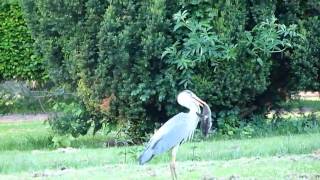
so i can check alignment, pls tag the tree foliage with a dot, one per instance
(232, 63)
(132, 38)
(127, 59)
(17, 59)
(108, 51)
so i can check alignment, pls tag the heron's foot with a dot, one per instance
(173, 171)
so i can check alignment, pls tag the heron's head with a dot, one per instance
(189, 100)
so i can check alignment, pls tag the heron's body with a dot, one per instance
(176, 130)
(166, 137)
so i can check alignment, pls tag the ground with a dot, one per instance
(284, 167)
(27, 153)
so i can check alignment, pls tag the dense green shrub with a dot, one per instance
(299, 69)
(67, 41)
(108, 50)
(132, 38)
(17, 59)
(70, 118)
(236, 63)
(127, 59)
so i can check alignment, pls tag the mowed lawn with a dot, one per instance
(27, 152)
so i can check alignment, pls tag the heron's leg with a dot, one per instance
(173, 163)
(173, 170)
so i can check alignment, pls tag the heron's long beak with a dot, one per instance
(199, 101)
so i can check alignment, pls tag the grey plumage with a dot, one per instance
(175, 131)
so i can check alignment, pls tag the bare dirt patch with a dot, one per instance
(23, 117)
(309, 95)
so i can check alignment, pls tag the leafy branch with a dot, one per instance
(200, 43)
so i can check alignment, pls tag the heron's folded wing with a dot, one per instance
(170, 134)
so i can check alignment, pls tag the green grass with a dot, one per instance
(24, 136)
(287, 167)
(38, 135)
(26, 151)
(216, 150)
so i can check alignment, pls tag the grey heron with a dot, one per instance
(175, 131)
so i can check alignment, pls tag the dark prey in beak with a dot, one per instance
(205, 120)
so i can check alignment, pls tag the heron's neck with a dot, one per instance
(194, 108)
